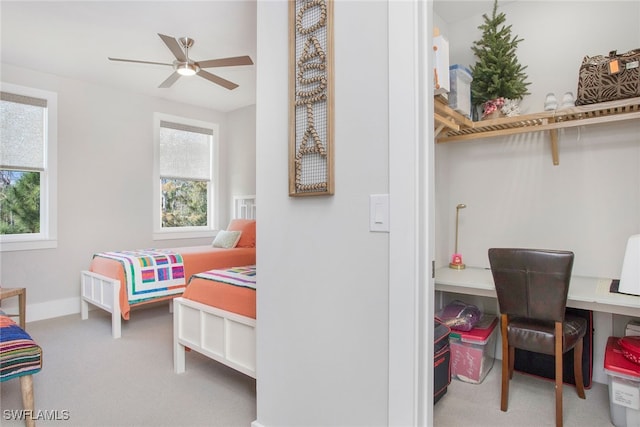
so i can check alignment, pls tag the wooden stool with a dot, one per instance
(21, 293)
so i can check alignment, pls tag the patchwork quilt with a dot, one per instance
(237, 276)
(150, 273)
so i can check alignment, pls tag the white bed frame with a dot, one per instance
(103, 292)
(221, 335)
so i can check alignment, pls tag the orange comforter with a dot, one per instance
(196, 259)
(235, 299)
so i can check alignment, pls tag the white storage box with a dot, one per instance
(624, 386)
(460, 93)
(633, 328)
(440, 65)
(473, 352)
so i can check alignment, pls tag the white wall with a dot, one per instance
(105, 160)
(323, 299)
(590, 203)
(241, 149)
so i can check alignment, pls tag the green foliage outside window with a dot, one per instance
(19, 202)
(184, 203)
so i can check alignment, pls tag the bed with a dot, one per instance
(216, 316)
(164, 272)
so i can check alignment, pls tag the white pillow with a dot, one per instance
(226, 239)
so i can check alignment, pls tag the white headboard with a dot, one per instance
(244, 207)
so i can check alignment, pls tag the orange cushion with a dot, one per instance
(248, 229)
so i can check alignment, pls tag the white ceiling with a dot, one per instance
(74, 38)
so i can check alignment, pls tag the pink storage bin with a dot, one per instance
(473, 352)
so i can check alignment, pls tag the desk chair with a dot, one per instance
(532, 287)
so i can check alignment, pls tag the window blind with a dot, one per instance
(185, 151)
(22, 132)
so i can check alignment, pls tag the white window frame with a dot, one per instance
(47, 238)
(160, 233)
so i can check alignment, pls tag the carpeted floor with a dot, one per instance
(89, 379)
(531, 404)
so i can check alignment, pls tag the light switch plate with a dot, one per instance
(379, 212)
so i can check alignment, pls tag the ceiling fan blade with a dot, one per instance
(170, 80)
(174, 47)
(226, 62)
(139, 62)
(217, 80)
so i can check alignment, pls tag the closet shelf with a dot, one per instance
(451, 126)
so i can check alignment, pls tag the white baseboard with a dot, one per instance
(51, 309)
(256, 424)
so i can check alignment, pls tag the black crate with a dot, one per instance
(543, 365)
(441, 360)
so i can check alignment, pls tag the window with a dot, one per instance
(184, 181)
(28, 128)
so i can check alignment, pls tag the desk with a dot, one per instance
(588, 293)
(21, 293)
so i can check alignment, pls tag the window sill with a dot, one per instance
(173, 235)
(28, 245)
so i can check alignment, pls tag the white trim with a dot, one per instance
(28, 245)
(213, 205)
(426, 202)
(50, 309)
(47, 238)
(184, 234)
(410, 393)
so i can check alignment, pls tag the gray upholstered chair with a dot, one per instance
(532, 287)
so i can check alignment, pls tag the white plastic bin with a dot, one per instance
(460, 93)
(473, 352)
(624, 386)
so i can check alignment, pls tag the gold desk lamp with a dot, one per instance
(456, 260)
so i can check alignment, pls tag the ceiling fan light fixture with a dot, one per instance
(187, 69)
(183, 66)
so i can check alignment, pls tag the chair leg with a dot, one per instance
(26, 386)
(504, 396)
(577, 368)
(558, 357)
(512, 361)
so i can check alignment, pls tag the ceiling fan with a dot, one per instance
(184, 66)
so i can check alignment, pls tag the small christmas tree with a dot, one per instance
(497, 72)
